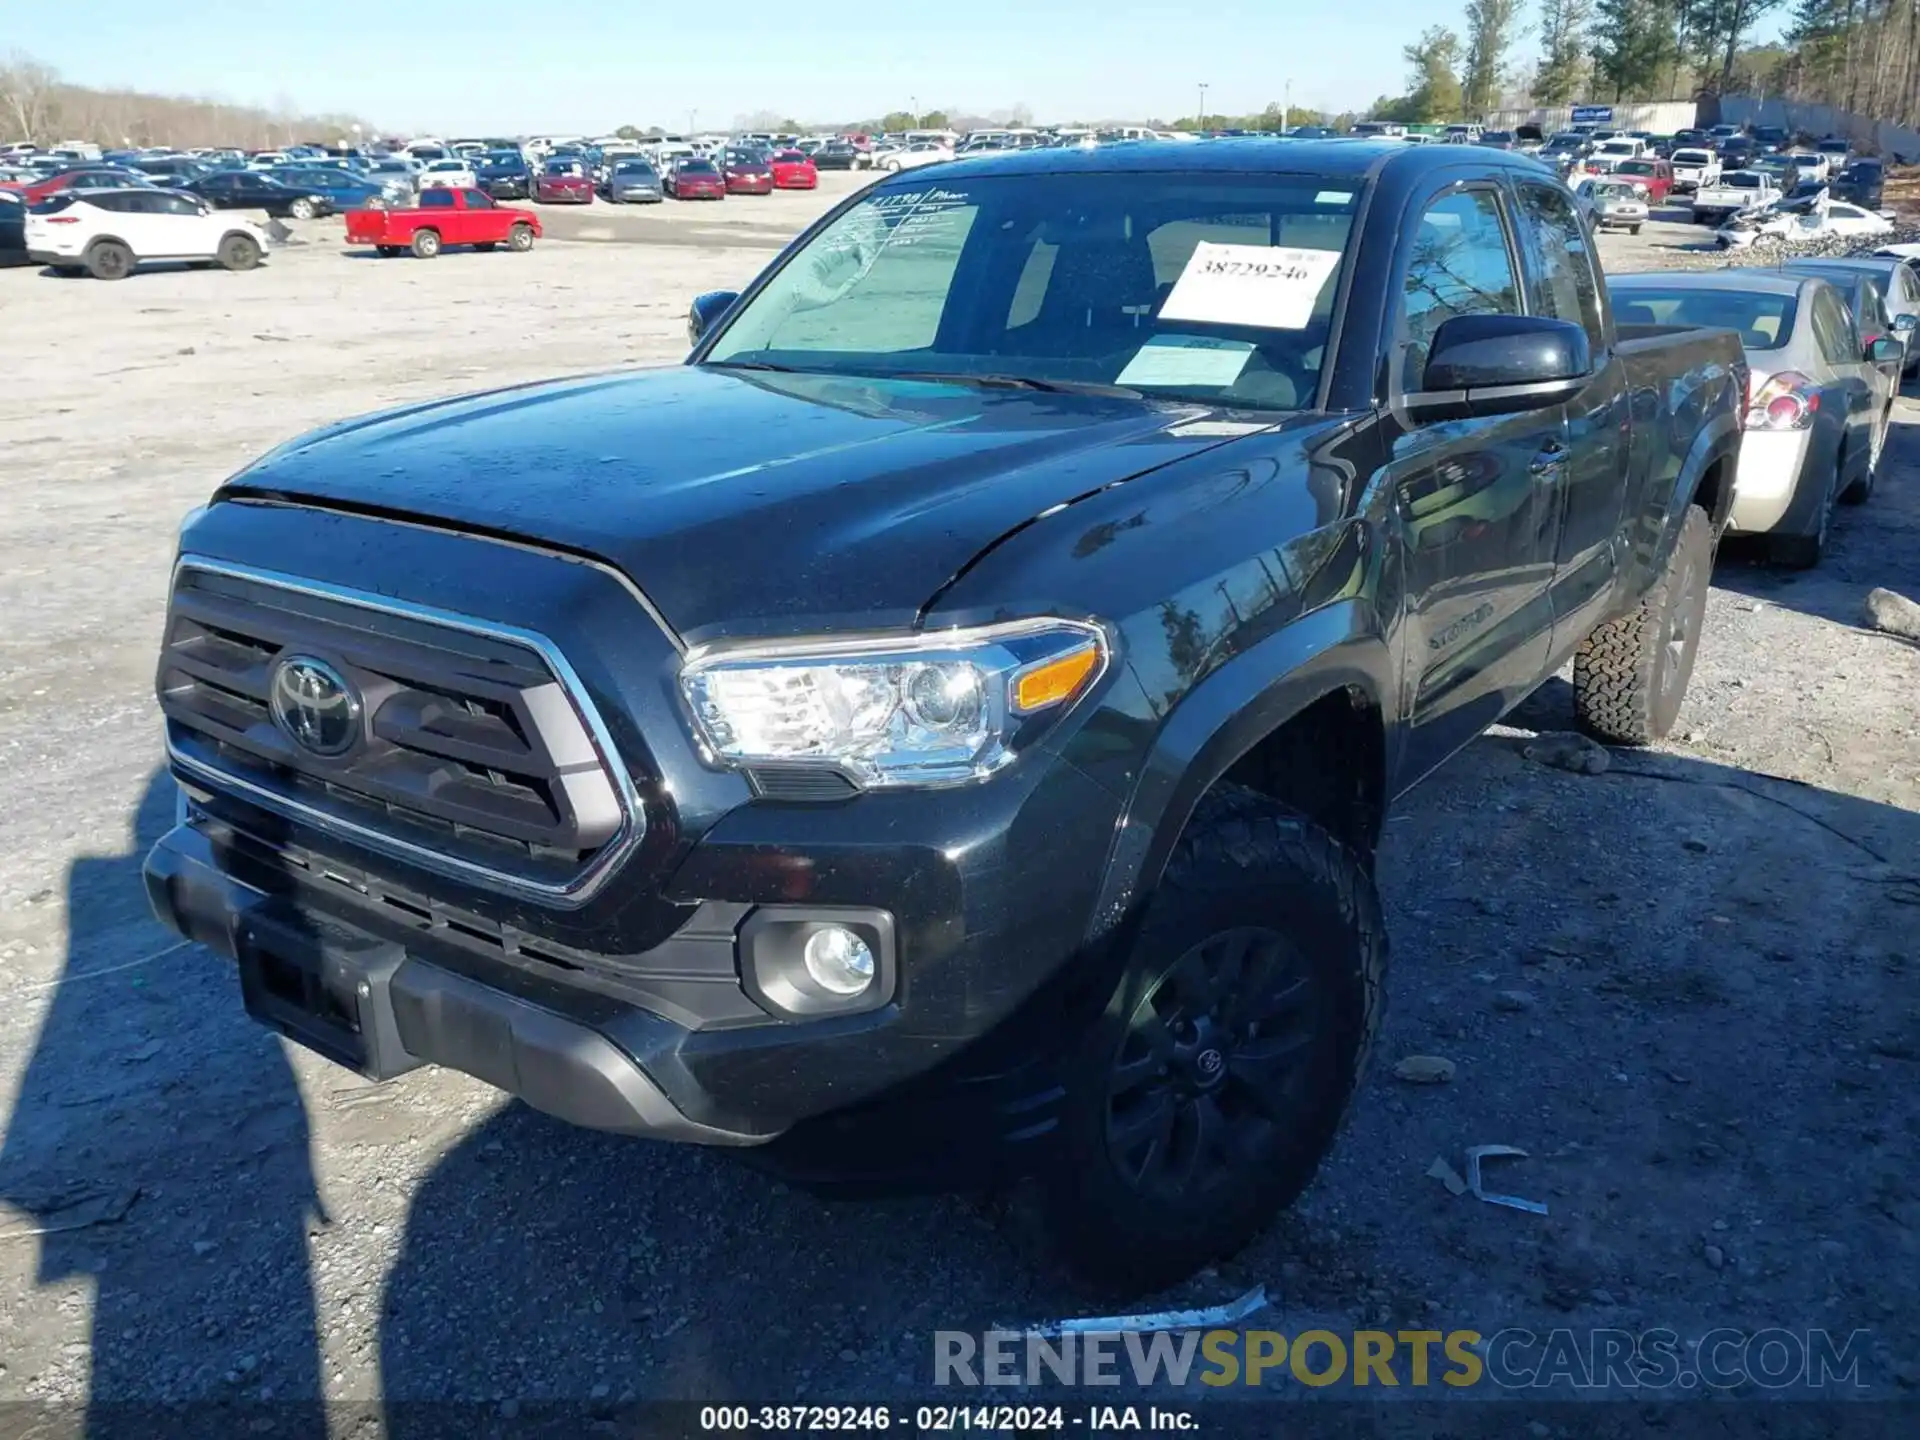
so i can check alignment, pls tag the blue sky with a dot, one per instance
(494, 66)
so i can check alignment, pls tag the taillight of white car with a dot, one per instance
(1787, 401)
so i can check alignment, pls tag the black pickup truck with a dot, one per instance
(942, 730)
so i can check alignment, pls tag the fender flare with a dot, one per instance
(1223, 717)
(1717, 441)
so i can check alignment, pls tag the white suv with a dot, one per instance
(109, 232)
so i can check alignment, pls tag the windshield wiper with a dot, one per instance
(752, 365)
(1017, 382)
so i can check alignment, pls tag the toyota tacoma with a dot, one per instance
(942, 730)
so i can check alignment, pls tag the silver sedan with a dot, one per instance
(1818, 401)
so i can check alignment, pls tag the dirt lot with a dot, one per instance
(1686, 985)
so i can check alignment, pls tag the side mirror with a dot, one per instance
(1884, 350)
(1501, 365)
(1903, 323)
(705, 310)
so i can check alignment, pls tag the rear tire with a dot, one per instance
(1630, 675)
(1203, 1098)
(520, 238)
(301, 210)
(426, 244)
(238, 252)
(109, 260)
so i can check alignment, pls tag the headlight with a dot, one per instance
(936, 709)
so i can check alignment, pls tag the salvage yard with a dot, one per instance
(1686, 985)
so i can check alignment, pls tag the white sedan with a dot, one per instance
(107, 233)
(450, 174)
(1802, 220)
(912, 157)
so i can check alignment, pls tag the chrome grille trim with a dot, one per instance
(570, 894)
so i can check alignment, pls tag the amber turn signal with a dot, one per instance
(1053, 681)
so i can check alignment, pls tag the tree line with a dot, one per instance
(37, 105)
(1858, 55)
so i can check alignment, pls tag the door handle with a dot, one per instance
(1551, 462)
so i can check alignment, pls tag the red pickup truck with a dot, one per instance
(444, 217)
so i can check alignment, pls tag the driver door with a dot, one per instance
(1478, 500)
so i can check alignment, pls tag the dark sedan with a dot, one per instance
(347, 190)
(13, 229)
(1862, 182)
(835, 155)
(250, 190)
(505, 175)
(748, 172)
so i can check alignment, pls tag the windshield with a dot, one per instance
(633, 167)
(1765, 322)
(1638, 167)
(563, 167)
(1215, 287)
(1691, 157)
(505, 157)
(1741, 180)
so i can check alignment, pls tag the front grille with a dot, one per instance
(476, 753)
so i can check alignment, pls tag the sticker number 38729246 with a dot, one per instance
(1272, 287)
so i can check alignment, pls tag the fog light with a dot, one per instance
(838, 960)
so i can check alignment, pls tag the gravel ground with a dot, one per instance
(1685, 985)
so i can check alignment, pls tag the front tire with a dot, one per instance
(1202, 1099)
(426, 244)
(1630, 675)
(238, 252)
(109, 260)
(301, 210)
(520, 238)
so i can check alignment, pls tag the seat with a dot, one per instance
(1100, 293)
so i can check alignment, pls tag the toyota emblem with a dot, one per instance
(1210, 1063)
(314, 706)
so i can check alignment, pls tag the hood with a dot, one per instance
(743, 504)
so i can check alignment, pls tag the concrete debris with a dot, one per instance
(1893, 614)
(1566, 750)
(1426, 1069)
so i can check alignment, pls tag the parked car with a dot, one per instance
(1771, 139)
(835, 155)
(1736, 190)
(633, 182)
(1609, 153)
(1490, 139)
(793, 171)
(747, 172)
(1802, 219)
(1816, 417)
(455, 173)
(1896, 284)
(1611, 204)
(1782, 171)
(563, 180)
(90, 177)
(1837, 151)
(1862, 183)
(1652, 178)
(344, 188)
(1809, 164)
(1010, 595)
(108, 234)
(912, 157)
(400, 171)
(1692, 168)
(251, 190)
(505, 175)
(695, 180)
(442, 218)
(13, 230)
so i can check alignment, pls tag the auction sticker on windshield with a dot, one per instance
(1269, 286)
(1186, 360)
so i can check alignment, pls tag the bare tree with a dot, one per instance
(27, 91)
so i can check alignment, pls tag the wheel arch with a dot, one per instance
(1325, 679)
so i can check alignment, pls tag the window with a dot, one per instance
(1764, 320)
(174, 205)
(478, 200)
(1846, 212)
(1566, 287)
(1833, 328)
(1460, 265)
(436, 200)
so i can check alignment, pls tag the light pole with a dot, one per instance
(692, 116)
(915, 99)
(1286, 110)
(1203, 108)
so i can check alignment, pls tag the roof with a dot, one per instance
(1249, 154)
(1869, 264)
(1765, 282)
